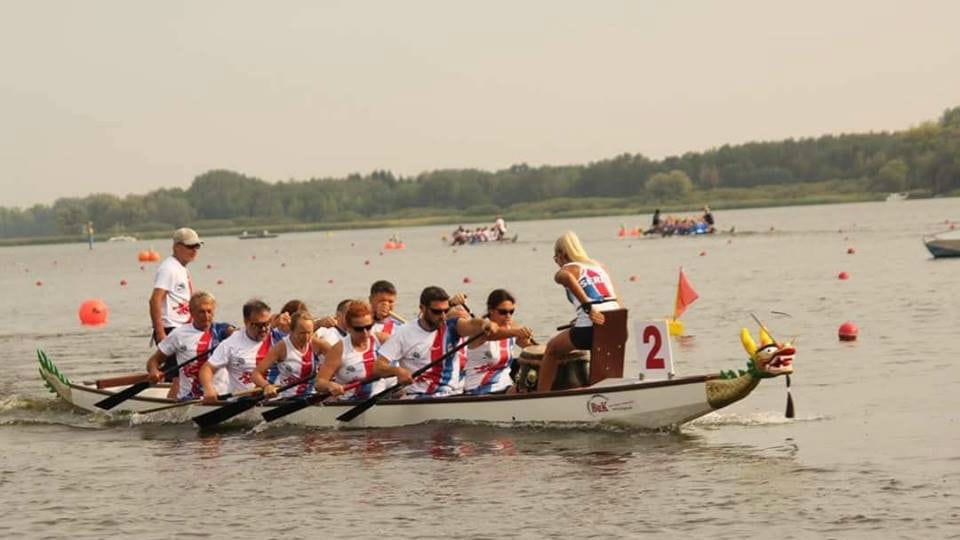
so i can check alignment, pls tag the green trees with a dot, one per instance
(672, 186)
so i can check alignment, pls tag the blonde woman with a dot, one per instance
(589, 288)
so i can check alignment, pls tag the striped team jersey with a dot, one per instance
(413, 347)
(295, 365)
(188, 342)
(357, 365)
(387, 326)
(594, 281)
(488, 367)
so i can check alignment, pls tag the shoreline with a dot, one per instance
(563, 209)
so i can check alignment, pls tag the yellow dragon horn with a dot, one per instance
(765, 338)
(748, 344)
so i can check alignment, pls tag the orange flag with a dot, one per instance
(685, 295)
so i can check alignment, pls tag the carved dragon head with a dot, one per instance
(771, 358)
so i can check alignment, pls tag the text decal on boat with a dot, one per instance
(599, 404)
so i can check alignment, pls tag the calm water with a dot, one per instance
(873, 452)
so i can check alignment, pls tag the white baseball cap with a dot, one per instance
(186, 236)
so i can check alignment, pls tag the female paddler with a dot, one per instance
(590, 289)
(490, 358)
(293, 357)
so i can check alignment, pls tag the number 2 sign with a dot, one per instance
(654, 355)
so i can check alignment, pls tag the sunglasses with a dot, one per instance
(437, 311)
(260, 325)
(506, 312)
(191, 246)
(366, 328)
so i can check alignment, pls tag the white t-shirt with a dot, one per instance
(413, 347)
(174, 278)
(187, 342)
(238, 355)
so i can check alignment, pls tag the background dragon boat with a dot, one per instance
(608, 398)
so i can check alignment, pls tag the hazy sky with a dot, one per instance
(129, 96)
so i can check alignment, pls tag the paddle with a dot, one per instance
(122, 380)
(221, 397)
(372, 400)
(302, 403)
(790, 413)
(127, 393)
(397, 317)
(241, 405)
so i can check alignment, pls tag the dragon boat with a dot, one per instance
(607, 399)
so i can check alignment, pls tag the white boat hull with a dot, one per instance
(654, 405)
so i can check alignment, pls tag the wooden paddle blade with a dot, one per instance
(226, 412)
(121, 396)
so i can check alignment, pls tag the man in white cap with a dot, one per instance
(172, 288)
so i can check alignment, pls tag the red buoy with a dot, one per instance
(39, 283)
(851, 251)
(123, 283)
(703, 253)
(633, 278)
(209, 267)
(93, 312)
(219, 282)
(142, 267)
(848, 331)
(330, 281)
(283, 265)
(843, 275)
(367, 262)
(467, 279)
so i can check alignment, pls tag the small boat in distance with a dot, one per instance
(122, 238)
(896, 197)
(945, 244)
(262, 234)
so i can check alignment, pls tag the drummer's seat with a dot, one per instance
(580, 368)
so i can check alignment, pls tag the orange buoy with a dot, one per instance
(154, 256)
(848, 331)
(401, 245)
(143, 256)
(622, 232)
(93, 313)
(389, 244)
(851, 251)
(843, 275)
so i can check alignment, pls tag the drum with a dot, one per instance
(573, 371)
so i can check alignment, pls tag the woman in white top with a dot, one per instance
(490, 358)
(589, 288)
(293, 357)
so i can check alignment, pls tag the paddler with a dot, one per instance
(429, 338)
(490, 358)
(383, 300)
(589, 288)
(238, 353)
(294, 357)
(188, 341)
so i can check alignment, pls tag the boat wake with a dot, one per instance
(717, 420)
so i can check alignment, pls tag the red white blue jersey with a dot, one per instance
(295, 365)
(488, 367)
(387, 326)
(594, 281)
(413, 347)
(188, 342)
(238, 356)
(357, 365)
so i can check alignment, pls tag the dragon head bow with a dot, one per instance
(771, 358)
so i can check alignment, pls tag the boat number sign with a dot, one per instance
(654, 354)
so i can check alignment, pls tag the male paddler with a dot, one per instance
(383, 300)
(434, 333)
(238, 353)
(193, 340)
(172, 289)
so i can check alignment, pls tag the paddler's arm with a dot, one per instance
(382, 368)
(157, 298)
(259, 375)
(206, 381)
(332, 359)
(153, 366)
(471, 327)
(566, 278)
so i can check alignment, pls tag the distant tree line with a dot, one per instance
(924, 159)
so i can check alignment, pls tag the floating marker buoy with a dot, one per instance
(209, 267)
(848, 331)
(39, 283)
(253, 257)
(143, 256)
(851, 251)
(219, 282)
(843, 275)
(123, 283)
(467, 279)
(366, 262)
(703, 253)
(389, 244)
(401, 245)
(142, 267)
(633, 278)
(330, 281)
(622, 232)
(283, 265)
(93, 313)
(381, 254)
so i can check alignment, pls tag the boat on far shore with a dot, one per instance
(262, 234)
(896, 197)
(122, 238)
(945, 244)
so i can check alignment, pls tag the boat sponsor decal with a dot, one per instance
(599, 404)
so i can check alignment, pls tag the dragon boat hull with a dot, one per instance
(653, 405)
